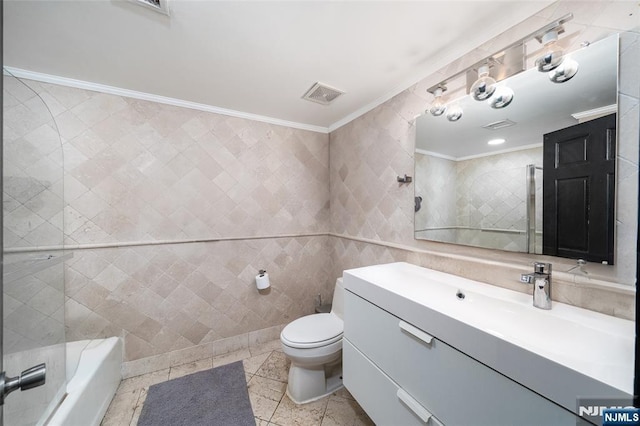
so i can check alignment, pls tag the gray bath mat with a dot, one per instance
(214, 397)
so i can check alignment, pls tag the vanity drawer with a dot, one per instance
(380, 397)
(455, 387)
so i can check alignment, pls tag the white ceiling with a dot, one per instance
(254, 57)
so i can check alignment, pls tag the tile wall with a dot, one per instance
(436, 218)
(476, 200)
(372, 215)
(491, 193)
(170, 213)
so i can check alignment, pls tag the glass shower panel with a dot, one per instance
(33, 259)
(492, 208)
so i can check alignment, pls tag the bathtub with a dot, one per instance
(93, 375)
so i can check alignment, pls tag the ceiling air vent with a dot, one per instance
(322, 94)
(499, 124)
(157, 5)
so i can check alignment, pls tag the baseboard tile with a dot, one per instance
(219, 347)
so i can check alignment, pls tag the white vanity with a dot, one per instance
(426, 347)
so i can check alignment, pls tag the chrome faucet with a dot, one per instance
(541, 280)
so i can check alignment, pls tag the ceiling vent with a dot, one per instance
(160, 6)
(499, 124)
(322, 94)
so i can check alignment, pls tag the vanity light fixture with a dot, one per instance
(438, 107)
(505, 63)
(484, 86)
(498, 141)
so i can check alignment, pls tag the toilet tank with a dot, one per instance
(337, 306)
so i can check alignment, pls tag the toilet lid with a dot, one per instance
(313, 331)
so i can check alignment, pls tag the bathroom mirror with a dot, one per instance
(471, 193)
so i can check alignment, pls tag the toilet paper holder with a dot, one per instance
(262, 280)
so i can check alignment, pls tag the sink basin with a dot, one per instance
(562, 353)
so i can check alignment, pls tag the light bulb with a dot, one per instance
(553, 55)
(484, 86)
(437, 107)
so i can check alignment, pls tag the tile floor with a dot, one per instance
(266, 368)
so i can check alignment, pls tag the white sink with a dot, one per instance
(561, 353)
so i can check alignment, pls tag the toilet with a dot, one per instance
(313, 343)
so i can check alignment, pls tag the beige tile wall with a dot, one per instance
(470, 198)
(143, 171)
(439, 207)
(368, 205)
(140, 176)
(169, 297)
(602, 297)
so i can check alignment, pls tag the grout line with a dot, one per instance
(248, 344)
(284, 394)
(138, 406)
(326, 407)
(260, 366)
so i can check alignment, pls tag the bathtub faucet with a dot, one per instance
(541, 280)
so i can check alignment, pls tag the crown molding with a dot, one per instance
(112, 90)
(591, 114)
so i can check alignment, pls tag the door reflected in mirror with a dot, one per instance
(480, 179)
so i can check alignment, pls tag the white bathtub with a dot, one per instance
(93, 375)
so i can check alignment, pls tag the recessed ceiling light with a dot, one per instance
(496, 141)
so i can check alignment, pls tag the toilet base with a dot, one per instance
(310, 384)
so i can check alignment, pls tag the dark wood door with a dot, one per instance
(579, 191)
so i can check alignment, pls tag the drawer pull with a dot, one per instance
(416, 332)
(414, 405)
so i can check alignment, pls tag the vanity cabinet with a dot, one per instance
(402, 375)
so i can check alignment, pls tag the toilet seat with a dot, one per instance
(313, 331)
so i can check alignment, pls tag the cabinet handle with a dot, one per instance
(414, 405)
(416, 332)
